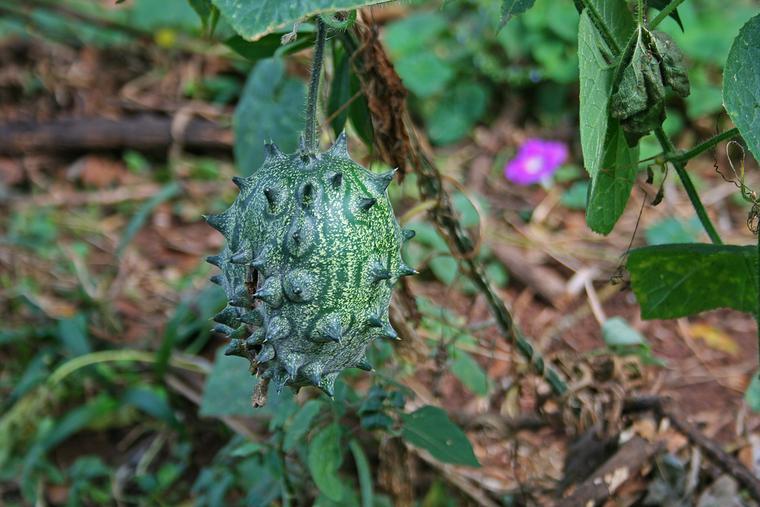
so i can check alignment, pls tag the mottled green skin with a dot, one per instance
(322, 253)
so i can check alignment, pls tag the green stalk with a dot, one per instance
(665, 13)
(311, 132)
(105, 356)
(680, 168)
(703, 147)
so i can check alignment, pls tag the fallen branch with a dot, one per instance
(626, 463)
(727, 463)
(143, 132)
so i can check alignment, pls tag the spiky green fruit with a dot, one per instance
(313, 251)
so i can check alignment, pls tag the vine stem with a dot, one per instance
(311, 132)
(665, 13)
(688, 186)
(757, 315)
(703, 147)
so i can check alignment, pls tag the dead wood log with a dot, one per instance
(144, 132)
(626, 463)
(664, 408)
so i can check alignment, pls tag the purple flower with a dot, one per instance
(536, 161)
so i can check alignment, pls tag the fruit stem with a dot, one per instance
(311, 132)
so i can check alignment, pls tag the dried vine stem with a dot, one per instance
(395, 135)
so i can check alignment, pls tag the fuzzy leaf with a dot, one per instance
(254, 19)
(431, 429)
(672, 281)
(741, 84)
(325, 457)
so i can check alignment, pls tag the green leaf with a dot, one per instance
(325, 457)
(73, 334)
(445, 268)
(414, 33)
(673, 230)
(575, 196)
(457, 112)
(301, 423)
(752, 394)
(271, 107)
(153, 401)
(511, 8)
(358, 112)
(424, 73)
(596, 82)
(143, 213)
(611, 187)
(661, 4)
(741, 84)
(618, 333)
(229, 387)
(431, 429)
(672, 281)
(340, 91)
(364, 472)
(253, 19)
(268, 46)
(470, 373)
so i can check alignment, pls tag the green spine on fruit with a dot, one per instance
(313, 251)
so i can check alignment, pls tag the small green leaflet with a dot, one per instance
(253, 19)
(672, 281)
(510, 8)
(741, 84)
(325, 457)
(431, 429)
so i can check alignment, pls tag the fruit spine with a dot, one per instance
(313, 251)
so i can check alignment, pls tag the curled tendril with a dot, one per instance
(737, 178)
(339, 20)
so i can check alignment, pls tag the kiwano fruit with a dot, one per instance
(313, 250)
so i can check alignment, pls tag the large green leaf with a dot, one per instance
(672, 281)
(229, 387)
(325, 457)
(254, 19)
(431, 429)
(271, 108)
(611, 188)
(741, 84)
(602, 143)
